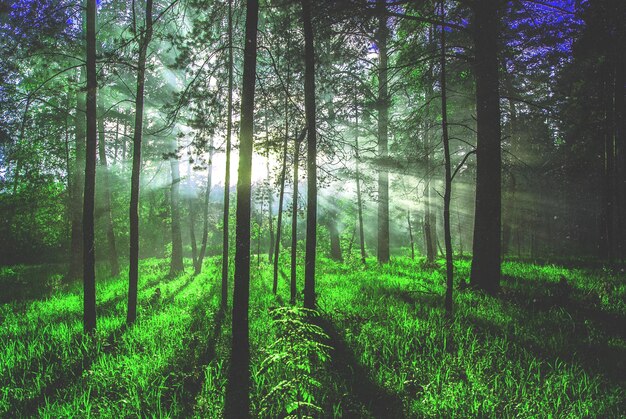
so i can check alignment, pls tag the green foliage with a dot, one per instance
(294, 358)
(379, 347)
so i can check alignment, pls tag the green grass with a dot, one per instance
(539, 349)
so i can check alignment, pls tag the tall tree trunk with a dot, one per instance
(270, 215)
(176, 263)
(237, 403)
(408, 220)
(359, 200)
(485, 273)
(78, 184)
(383, 120)
(133, 269)
(89, 262)
(205, 215)
(294, 219)
(192, 221)
(335, 241)
(448, 176)
(309, 109)
(106, 196)
(281, 197)
(229, 123)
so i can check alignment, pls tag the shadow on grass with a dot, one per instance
(70, 373)
(378, 401)
(202, 351)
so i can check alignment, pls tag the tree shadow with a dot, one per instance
(202, 350)
(378, 401)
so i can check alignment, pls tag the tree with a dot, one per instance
(229, 126)
(485, 273)
(237, 393)
(448, 171)
(309, 110)
(133, 271)
(89, 254)
(383, 134)
(176, 262)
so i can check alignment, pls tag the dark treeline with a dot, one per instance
(479, 128)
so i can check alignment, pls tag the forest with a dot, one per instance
(312, 208)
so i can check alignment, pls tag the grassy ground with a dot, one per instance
(553, 343)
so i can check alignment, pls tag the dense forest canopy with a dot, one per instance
(272, 135)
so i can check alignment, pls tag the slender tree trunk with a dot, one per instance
(76, 248)
(18, 164)
(237, 393)
(383, 121)
(459, 227)
(106, 196)
(359, 201)
(294, 219)
(176, 263)
(448, 176)
(89, 262)
(335, 241)
(280, 203)
(229, 123)
(192, 222)
(408, 220)
(309, 109)
(485, 273)
(133, 270)
(270, 203)
(205, 215)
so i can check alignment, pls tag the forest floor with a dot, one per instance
(552, 343)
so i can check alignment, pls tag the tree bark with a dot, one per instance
(237, 403)
(192, 222)
(359, 201)
(205, 215)
(89, 261)
(383, 135)
(485, 273)
(448, 173)
(229, 123)
(408, 220)
(294, 220)
(279, 223)
(106, 197)
(176, 262)
(310, 112)
(133, 270)
(78, 184)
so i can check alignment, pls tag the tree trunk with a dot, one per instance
(335, 242)
(279, 223)
(485, 273)
(383, 120)
(448, 176)
(229, 123)
(78, 184)
(192, 222)
(133, 269)
(176, 263)
(89, 254)
(106, 197)
(205, 215)
(294, 219)
(237, 404)
(309, 109)
(408, 219)
(359, 201)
